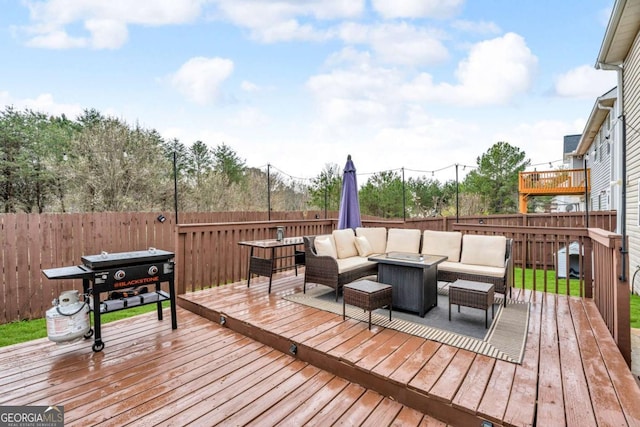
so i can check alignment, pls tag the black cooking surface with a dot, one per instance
(106, 260)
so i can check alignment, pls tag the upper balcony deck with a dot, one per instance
(554, 183)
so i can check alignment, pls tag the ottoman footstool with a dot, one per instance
(367, 295)
(472, 294)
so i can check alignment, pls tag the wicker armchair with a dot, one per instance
(324, 269)
(502, 284)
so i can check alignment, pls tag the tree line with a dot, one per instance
(97, 163)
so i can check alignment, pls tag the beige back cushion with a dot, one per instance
(345, 243)
(444, 243)
(325, 246)
(377, 237)
(402, 240)
(483, 250)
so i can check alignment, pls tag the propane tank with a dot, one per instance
(68, 319)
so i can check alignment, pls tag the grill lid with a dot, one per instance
(105, 260)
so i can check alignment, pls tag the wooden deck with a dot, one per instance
(200, 374)
(244, 373)
(572, 372)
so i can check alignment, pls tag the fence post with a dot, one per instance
(587, 273)
(622, 330)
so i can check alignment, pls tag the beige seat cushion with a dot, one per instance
(345, 243)
(471, 269)
(363, 246)
(483, 250)
(444, 243)
(325, 246)
(352, 263)
(403, 240)
(377, 237)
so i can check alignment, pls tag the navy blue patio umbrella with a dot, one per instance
(349, 214)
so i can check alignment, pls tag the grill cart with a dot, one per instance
(120, 272)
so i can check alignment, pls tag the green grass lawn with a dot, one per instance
(574, 289)
(574, 284)
(27, 330)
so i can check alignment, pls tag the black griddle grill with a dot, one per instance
(117, 271)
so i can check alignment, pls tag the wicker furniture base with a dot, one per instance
(367, 295)
(472, 294)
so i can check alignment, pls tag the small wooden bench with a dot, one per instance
(367, 295)
(474, 295)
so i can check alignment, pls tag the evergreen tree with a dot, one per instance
(496, 178)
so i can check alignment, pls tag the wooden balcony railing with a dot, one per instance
(555, 182)
(552, 183)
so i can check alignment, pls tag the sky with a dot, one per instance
(413, 85)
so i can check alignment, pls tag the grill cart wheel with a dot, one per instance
(98, 346)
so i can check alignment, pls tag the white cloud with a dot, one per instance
(585, 82)
(43, 103)
(477, 27)
(199, 78)
(107, 33)
(249, 87)
(494, 73)
(399, 43)
(417, 8)
(271, 21)
(249, 117)
(353, 97)
(348, 56)
(541, 140)
(56, 39)
(105, 21)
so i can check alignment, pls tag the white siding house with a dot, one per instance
(597, 144)
(569, 203)
(620, 51)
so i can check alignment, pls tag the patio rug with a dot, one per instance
(505, 339)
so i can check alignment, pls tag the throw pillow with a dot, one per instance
(324, 247)
(363, 245)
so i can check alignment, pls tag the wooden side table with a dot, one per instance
(367, 295)
(474, 295)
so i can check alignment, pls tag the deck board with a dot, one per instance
(475, 384)
(579, 407)
(550, 410)
(522, 400)
(204, 373)
(606, 405)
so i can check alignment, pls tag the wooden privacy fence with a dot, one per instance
(209, 255)
(30, 243)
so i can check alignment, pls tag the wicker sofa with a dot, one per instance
(339, 258)
(475, 257)
(342, 256)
